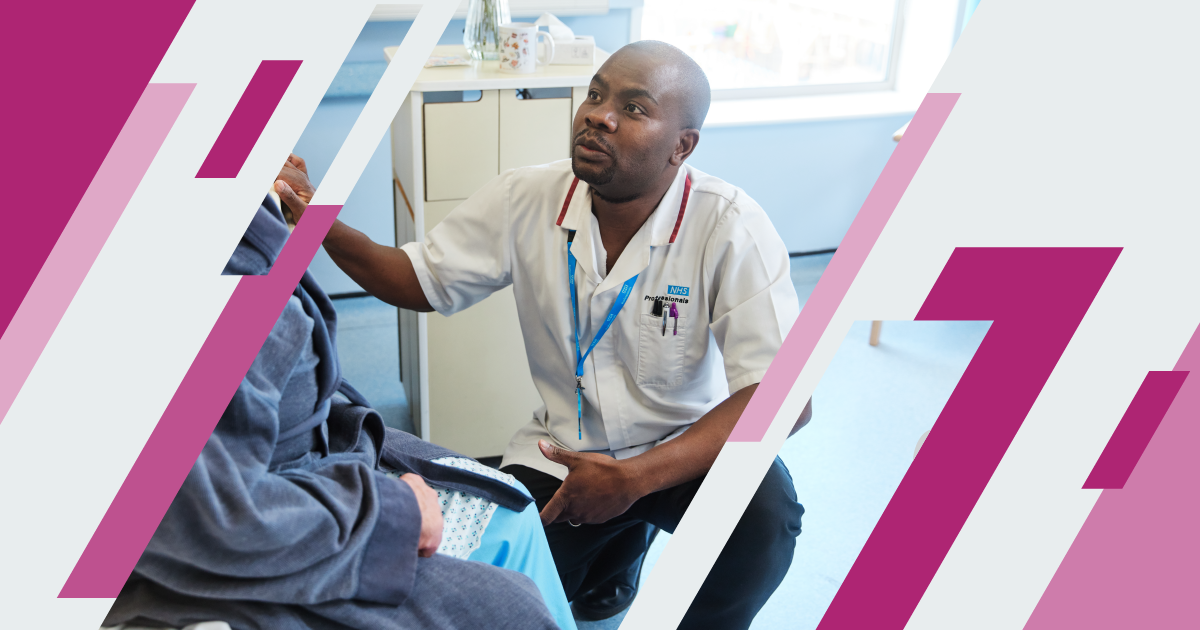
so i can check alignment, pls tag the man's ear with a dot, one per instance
(688, 139)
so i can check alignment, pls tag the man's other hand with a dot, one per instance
(294, 188)
(431, 515)
(597, 488)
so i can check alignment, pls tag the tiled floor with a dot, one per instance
(868, 411)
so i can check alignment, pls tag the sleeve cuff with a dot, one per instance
(416, 254)
(389, 566)
(746, 380)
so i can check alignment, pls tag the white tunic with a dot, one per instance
(726, 270)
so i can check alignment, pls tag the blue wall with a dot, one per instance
(369, 206)
(810, 177)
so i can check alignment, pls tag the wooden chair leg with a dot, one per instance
(876, 327)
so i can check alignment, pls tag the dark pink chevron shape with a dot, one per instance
(249, 118)
(74, 101)
(1133, 433)
(1134, 562)
(192, 414)
(1036, 298)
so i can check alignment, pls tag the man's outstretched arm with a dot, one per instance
(385, 272)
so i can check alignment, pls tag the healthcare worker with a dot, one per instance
(652, 298)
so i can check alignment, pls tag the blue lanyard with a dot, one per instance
(626, 289)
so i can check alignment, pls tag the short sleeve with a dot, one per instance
(752, 301)
(468, 256)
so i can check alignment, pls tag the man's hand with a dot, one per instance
(293, 186)
(597, 488)
(431, 515)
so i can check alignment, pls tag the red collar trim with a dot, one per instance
(570, 193)
(687, 190)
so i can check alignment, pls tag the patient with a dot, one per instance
(304, 511)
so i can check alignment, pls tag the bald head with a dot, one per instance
(681, 76)
(640, 121)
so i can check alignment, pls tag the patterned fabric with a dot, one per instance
(466, 516)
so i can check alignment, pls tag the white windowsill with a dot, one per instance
(816, 107)
(924, 45)
(517, 9)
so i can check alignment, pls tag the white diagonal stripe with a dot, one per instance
(385, 101)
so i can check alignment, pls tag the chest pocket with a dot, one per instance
(660, 357)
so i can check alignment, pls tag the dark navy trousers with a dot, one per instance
(750, 567)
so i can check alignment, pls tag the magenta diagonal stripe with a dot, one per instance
(1133, 563)
(248, 119)
(835, 281)
(65, 121)
(1036, 298)
(1133, 433)
(192, 414)
(85, 234)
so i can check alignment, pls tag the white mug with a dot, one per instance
(518, 47)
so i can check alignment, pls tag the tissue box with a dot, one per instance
(580, 52)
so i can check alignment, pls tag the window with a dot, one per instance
(772, 48)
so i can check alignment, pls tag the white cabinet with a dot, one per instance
(531, 133)
(462, 146)
(467, 376)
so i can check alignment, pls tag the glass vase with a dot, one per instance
(482, 34)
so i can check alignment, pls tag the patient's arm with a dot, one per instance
(385, 272)
(331, 530)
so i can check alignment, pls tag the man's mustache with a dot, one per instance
(583, 135)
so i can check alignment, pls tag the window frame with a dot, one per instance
(516, 8)
(786, 91)
(929, 30)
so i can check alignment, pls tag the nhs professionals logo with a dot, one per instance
(675, 290)
(675, 294)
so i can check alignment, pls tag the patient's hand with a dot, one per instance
(431, 515)
(293, 186)
(596, 489)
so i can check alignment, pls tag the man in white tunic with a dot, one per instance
(652, 298)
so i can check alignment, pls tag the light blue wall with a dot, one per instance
(369, 206)
(810, 177)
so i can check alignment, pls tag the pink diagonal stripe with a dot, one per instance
(53, 145)
(85, 234)
(1137, 426)
(248, 119)
(192, 414)
(842, 269)
(1036, 298)
(1133, 563)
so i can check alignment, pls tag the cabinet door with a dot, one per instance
(462, 143)
(480, 389)
(533, 131)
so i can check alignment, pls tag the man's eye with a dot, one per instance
(593, 94)
(631, 108)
